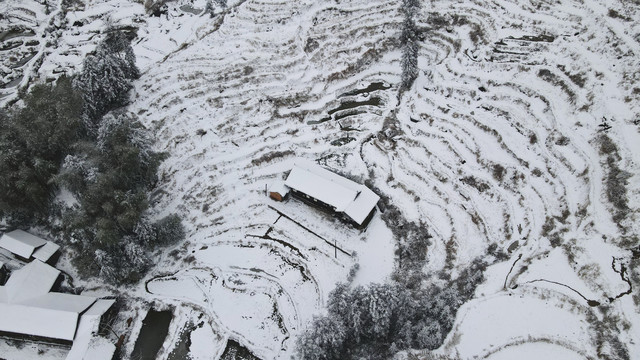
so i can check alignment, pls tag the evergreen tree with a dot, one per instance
(324, 341)
(111, 178)
(117, 45)
(106, 77)
(33, 141)
(409, 43)
(378, 320)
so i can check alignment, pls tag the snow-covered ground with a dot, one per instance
(496, 144)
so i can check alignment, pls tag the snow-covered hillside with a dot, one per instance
(522, 119)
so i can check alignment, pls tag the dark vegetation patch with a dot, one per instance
(562, 141)
(477, 34)
(606, 328)
(72, 5)
(578, 78)
(498, 172)
(616, 180)
(370, 56)
(552, 231)
(479, 185)
(634, 275)
(377, 321)
(548, 76)
(409, 42)
(412, 242)
(76, 135)
(270, 156)
(33, 142)
(612, 13)
(311, 45)
(156, 7)
(536, 172)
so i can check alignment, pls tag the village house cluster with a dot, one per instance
(31, 309)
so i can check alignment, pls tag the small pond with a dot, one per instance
(155, 327)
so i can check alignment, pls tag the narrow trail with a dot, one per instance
(504, 287)
(591, 303)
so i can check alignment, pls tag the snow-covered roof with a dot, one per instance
(85, 345)
(24, 319)
(33, 280)
(99, 307)
(353, 199)
(27, 306)
(279, 187)
(45, 252)
(21, 243)
(61, 302)
(88, 347)
(361, 206)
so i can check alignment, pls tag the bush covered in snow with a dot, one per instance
(376, 321)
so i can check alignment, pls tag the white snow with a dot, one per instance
(248, 78)
(535, 350)
(519, 319)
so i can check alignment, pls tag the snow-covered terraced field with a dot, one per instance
(497, 147)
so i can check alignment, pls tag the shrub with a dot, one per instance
(169, 230)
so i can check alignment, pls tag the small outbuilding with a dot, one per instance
(325, 189)
(278, 191)
(28, 246)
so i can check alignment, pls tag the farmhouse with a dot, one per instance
(28, 246)
(28, 308)
(322, 188)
